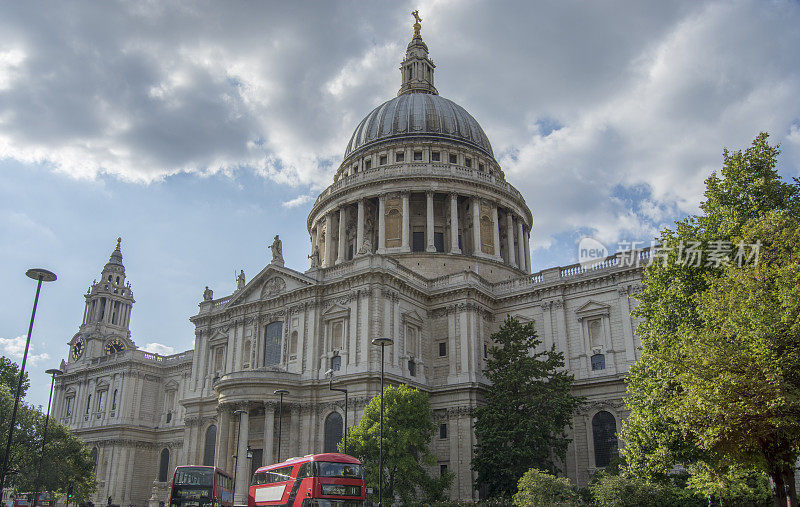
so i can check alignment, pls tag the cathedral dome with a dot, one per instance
(418, 115)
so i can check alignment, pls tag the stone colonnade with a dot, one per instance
(350, 230)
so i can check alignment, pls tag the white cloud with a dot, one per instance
(14, 348)
(159, 348)
(591, 108)
(297, 201)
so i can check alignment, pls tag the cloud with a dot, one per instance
(297, 201)
(608, 117)
(158, 348)
(14, 348)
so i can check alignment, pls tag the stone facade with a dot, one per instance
(421, 239)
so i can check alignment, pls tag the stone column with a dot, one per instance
(268, 451)
(340, 258)
(496, 231)
(454, 224)
(527, 251)
(360, 228)
(406, 224)
(294, 432)
(221, 455)
(476, 226)
(328, 240)
(512, 258)
(520, 245)
(429, 223)
(381, 224)
(242, 465)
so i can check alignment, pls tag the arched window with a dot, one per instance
(246, 359)
(604, 430)
(209, 446)
(273, 333)
(163, 466)
(333, 431)
(94, 458)
(114, 400)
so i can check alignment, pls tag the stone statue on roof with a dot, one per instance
(277, 251)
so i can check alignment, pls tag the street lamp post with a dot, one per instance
(281, 393)
(235, 457)
(52, 372)
(41, 275)
(383, 342)
(341, 390)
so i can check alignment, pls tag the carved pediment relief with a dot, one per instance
(412, 317)
(273, 286)
(218, 338)
(171, 385)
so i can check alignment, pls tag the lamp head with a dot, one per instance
(329, 373)
(280, 392)
(383, 341)
(54, 371)
(41, 274)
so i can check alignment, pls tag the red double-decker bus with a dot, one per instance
(316, 480)
(201, 486)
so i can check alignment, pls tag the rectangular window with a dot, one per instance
(435, 156)
(453, 158)
(468, 162)
(367, 164)
(350, 252)
(399, 156)
(337, 331)
(68, 407)
(442, 349)
(442, 469)
(485, 351)
(417, 156)
(598, 362)
(89, 404)
(412, 368)
(438, 241)
(418, 241)
(480, 167)
(383, 160)
(443, 430)
(273, 339)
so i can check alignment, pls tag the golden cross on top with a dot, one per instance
(417, 26)
(119, 240)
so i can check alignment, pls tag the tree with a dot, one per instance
(661, 430)
(9, 376)
(407, 430)
(528, 406)
(635, 491)
(67, 461)
(540, 489)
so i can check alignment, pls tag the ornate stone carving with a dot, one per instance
(273, 286)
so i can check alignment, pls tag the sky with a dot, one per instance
(197, 131)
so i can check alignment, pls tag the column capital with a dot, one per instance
(429, 193)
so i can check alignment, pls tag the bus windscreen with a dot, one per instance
(190, 476)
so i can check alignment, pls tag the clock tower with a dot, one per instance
(106, 318)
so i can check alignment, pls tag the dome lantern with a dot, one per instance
(417, 68)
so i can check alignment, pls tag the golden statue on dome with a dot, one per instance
(417, 26)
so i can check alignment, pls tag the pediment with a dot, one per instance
(218, 337)
(272, 281)
(171, 385)
(524, 319)
(593, 308)
(412, 317)
(335, 310)
(101, 385)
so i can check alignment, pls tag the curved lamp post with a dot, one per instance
(52, 372)
(383, 342)
(329, 373)
(281, 393)
(41, 275)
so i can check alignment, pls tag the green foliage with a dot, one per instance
(528, 406)
(717, 382)
(407, 430)
(735, 487)
(630, 491)
(540, 489)
(66, 459)
(9, 376)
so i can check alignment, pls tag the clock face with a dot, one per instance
(77, 349)
(114, 346)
